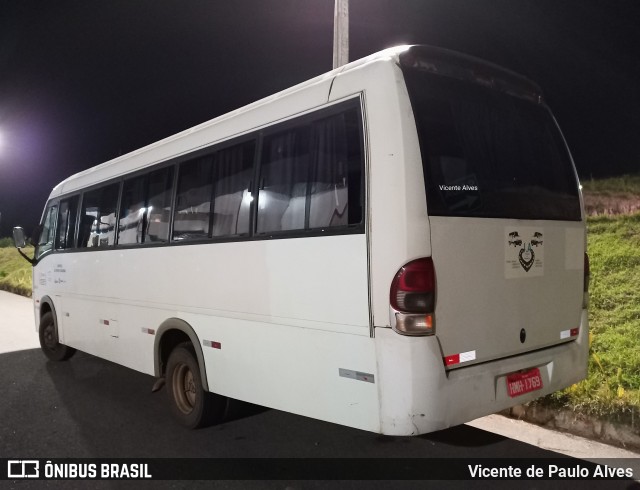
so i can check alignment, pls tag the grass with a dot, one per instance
(616, 195)
(615, 186)
(15, 272)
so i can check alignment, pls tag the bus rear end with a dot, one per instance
(496, 315)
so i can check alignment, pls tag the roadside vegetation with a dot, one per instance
(625, 185)
(616, 195)
(15, 272)
(612, 389)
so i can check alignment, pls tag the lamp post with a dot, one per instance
(341, 33)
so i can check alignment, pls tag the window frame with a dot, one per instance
(120, 204)
(119, 181)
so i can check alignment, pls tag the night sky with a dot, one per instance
(84, 82)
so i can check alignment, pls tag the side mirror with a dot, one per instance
(20, 242)
(18, 237)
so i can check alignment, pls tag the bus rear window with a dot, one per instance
(490, 154)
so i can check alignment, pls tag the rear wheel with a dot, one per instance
(49, 343)
(191, 405)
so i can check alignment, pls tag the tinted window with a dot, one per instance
(335, 198)
(159, 205)
(133, 211)
(67, 218)
(193, 200)
(311, 176)
(490, 154)
(284, 174)
(98, 217)
(233, 171)
(45, 241)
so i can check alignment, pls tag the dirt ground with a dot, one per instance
(596, 204)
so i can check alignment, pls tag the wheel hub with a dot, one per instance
(50, 339)
(184, 387)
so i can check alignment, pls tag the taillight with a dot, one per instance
(587, 275)
(412, 298)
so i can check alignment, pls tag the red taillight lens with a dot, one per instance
(413, 287)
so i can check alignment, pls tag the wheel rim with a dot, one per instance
(49, 336)
(184, 388)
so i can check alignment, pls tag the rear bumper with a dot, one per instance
(417, 394)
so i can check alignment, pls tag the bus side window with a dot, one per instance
(132, 211)
(233, 171)
(193, 200)
(45, 242)
(284, 175)
(159, 205)
(337, 171)
(67, 218)
(98, 217)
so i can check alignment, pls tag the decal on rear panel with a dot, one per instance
(523, 252)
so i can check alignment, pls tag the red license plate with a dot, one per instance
(524, 382)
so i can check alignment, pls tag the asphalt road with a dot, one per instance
(91, 408)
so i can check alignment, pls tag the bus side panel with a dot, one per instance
(287, 314)
(318, 283)
(94, 314)
(325, 375)
(277, 320)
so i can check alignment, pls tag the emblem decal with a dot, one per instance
(526, 258)
(524, 252)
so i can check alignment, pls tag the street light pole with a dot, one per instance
(341, 33)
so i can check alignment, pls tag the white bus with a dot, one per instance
(397, 245)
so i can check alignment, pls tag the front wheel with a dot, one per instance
(191, 405)
(48, 334)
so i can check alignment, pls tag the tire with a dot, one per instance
(49, 344)
(190, 404)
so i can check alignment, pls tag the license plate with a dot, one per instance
(524, 382)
